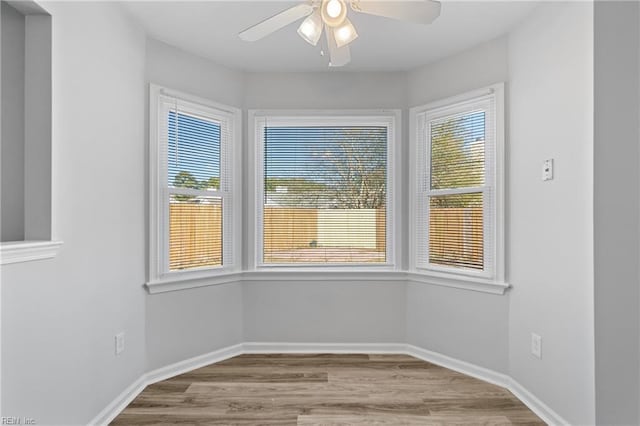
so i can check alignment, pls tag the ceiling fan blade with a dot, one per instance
(338, 56)
(276, 22)
(417, 11)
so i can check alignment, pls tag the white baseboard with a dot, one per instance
(193, 363)
(463, 367)
(327, 348)
(527, 398)
(112, 410)
(541, 409)
(121, 401)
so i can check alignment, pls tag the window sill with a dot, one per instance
(473, 284)
(326, 275)
(27, 251)
(464, 283)
(164, 286)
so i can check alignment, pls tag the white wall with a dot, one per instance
(311, 312)
(327, 90)
(617, 213)
(37, 134)
(188, 323)
(174, 68)
(324, 312)
(184, 324)
(470, 326)
(13, 71)
(551, 223)
(59, 317)
(477, 67)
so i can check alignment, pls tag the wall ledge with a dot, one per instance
(111, 411)
(470, 283)
(28, 251)
(319, 275)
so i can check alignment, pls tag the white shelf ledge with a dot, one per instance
(474, 284)
(259, 276)
(27, 251)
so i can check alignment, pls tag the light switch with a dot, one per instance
(547, 170)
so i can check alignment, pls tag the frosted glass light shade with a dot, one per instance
(311, 28)
(345, 33)
(334, 12)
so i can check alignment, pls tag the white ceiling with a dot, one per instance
(210, 28)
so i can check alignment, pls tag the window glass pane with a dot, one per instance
(456, 235)
(193, 152)
(195, 232)
(457, 151)
(325, 192)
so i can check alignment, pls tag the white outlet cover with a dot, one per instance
(536, 345)
(119, 343)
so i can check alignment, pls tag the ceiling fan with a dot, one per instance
(332, 16)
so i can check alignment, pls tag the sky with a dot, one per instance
(194, 146)
(305, 151)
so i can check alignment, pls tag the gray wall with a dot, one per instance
(188, 323)
(480, 66)
(13, 71)
(37, 134)
(617, 212)
(173, 68)
(467, 325)
(329, 90)
(184, 324)
(324, 312)
(59, 316)
(550, 238)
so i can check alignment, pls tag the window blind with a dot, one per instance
(455, 212)
(196, 189)
(325, 191)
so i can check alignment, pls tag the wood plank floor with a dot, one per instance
(322, 389)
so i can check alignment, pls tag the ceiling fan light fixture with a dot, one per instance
(345, 33)
(334, 12)
(311, 28)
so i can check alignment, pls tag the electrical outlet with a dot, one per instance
(536, 345)
(119, 343)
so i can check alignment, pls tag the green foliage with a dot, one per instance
(448, 155)
(186, 180)
(211, 183)
(293, 184)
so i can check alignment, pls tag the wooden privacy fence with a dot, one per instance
(288, 228)
(195, 235)
(456, 237)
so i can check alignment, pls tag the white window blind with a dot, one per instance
(195, 205)
(325, 191)
(455, 219)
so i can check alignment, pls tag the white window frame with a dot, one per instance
(493, 204)
(159, 273)
(257, 122)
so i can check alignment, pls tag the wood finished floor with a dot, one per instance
(310, 389)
